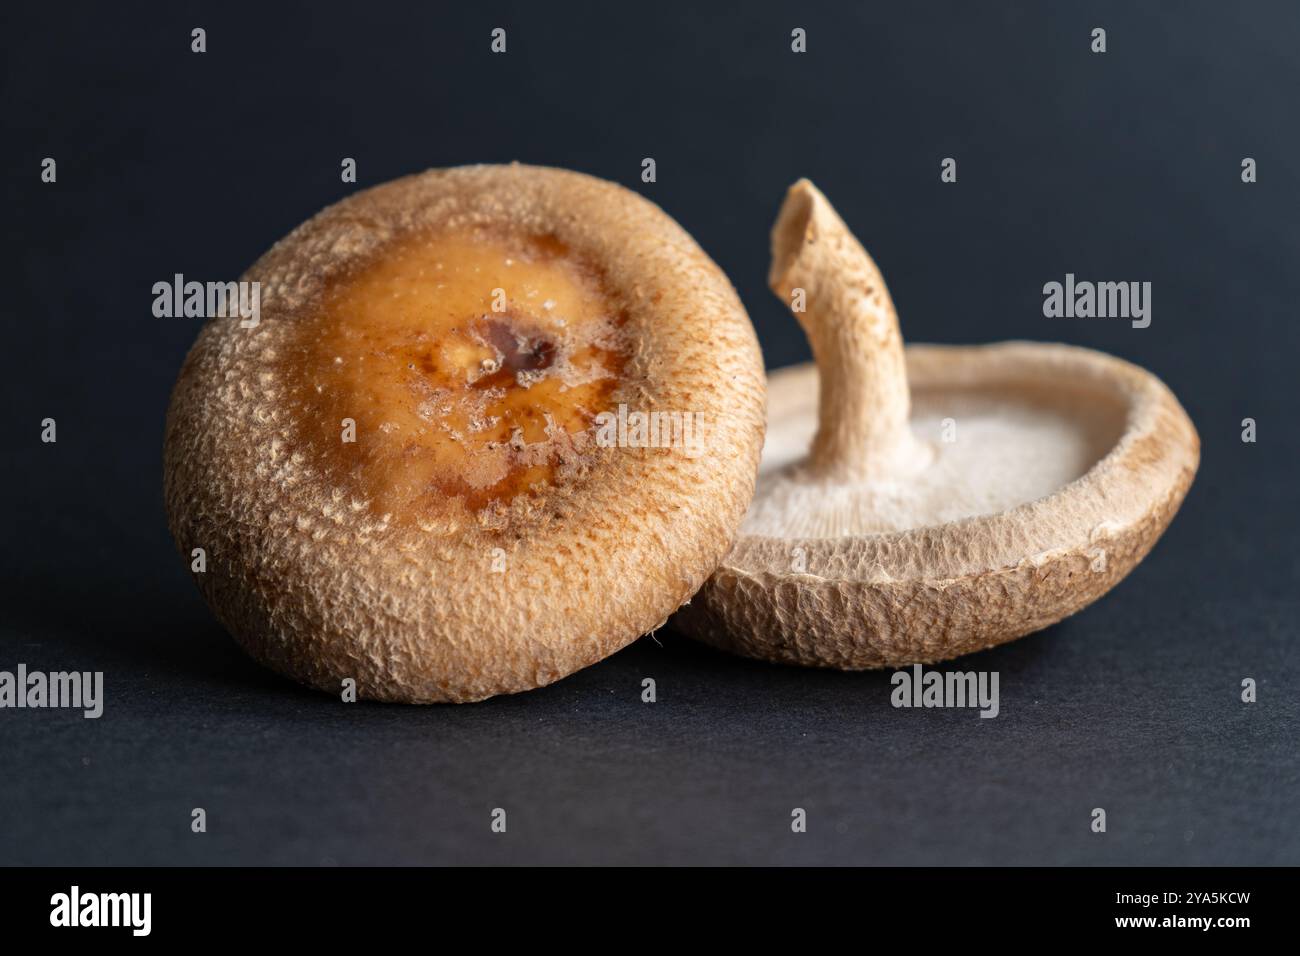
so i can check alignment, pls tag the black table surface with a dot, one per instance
(1124, 165)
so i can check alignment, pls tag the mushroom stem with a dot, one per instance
(849, 318)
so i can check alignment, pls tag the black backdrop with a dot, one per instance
(1119, 166)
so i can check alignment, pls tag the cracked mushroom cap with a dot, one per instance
(921, 503)
(494, 423)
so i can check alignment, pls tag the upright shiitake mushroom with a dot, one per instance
(918, 504)
(398, 475)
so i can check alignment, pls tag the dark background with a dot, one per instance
(1122, 166)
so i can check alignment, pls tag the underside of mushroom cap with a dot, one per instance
(477, 534)
(933, 592)
(1038, 475)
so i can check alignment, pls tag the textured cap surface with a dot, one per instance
(451, 602)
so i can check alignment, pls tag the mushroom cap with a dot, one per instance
(433, 559)
(889, 574)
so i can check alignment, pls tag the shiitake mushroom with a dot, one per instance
(921, 503)
(395, 474)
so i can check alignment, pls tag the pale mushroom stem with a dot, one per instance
(846, 311)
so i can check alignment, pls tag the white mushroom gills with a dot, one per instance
(875, 462)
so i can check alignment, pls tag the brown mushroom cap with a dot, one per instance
(921, 503)
(476, 538)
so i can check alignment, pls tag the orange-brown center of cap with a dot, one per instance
(464, 366)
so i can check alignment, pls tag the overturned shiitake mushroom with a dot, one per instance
(398, 475)
(1009, 486)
